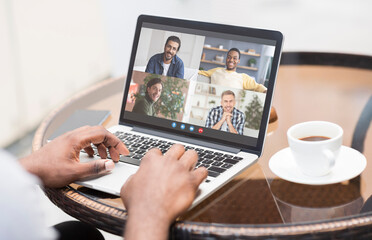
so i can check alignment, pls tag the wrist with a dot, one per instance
(29, 163)
(147, 224)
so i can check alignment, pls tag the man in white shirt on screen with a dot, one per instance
(228, 77)
(167, 63)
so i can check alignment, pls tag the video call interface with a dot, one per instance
(200, 82)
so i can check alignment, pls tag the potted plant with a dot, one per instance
(252, 62)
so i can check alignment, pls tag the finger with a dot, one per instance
(84, 136)
(153, 153)
(111, 140)
(175, 152)
(94, 168)
(189, 159)
(199, 174)
(102, 151)
(114, 154)
(89, 150)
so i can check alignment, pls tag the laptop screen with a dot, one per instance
(207, 81)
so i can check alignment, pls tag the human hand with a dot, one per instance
(228, 118)
(57, 163)
(162, 188)
(225, 116)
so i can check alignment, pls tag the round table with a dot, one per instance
(256, 204)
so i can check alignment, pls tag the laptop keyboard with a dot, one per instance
(138, 145)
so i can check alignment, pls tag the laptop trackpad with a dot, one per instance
(111, 182)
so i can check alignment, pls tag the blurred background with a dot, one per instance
(50, 50)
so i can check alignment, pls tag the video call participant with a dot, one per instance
(167, 63)
(228, 76)
(226, 117)
(153, 92)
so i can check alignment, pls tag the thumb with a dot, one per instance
(96, 167)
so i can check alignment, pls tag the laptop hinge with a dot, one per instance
(187, 140)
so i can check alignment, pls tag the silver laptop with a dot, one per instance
(204, 85)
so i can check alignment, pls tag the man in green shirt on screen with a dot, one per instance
(153, 92)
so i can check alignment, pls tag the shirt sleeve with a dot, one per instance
(209, 122)
(240, 124)
(180, 70)
(150, 65)
(250, 84)
(21, 214)
(207, 73)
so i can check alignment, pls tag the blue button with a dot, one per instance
(174, 124)
(182, 126)
(191, 128)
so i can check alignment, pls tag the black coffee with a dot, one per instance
(314, 138)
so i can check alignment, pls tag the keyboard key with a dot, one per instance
(217, 164)
(144, 147)
(218, 158)
(226, 165)
(141, 152)
(238, 158)
(132, 149)
(231, 161)
(216, 169)
(207, 161)
(204, 165)
(213, 174)
(133, 161)
(137, 156)
(209, 156)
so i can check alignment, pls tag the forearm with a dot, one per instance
(218, 125)
(261, 88)
(207, 73)
(142, 225)
(250, 84)
(231, 128)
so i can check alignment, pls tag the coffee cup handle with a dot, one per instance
(330, 156)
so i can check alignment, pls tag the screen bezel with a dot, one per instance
(218, 28)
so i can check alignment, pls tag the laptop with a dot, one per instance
(195, 71)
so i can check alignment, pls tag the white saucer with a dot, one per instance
(349, 164)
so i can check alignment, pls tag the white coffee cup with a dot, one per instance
(315, 158)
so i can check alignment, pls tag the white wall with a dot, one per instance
(49, 50)
(330, 26)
